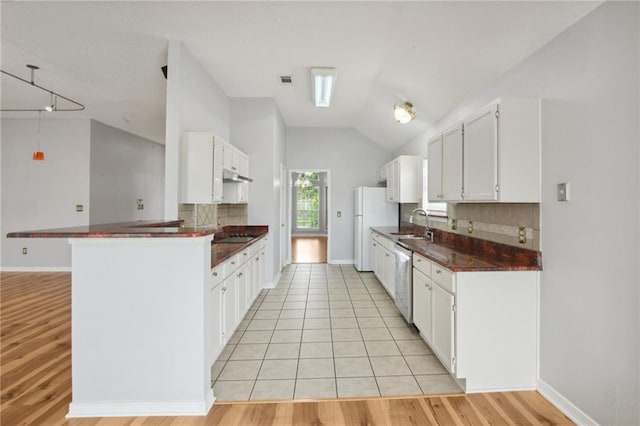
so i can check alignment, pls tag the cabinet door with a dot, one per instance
(216, 338)
(443, 328)
(244, 164)
(434, 172)
(373, 246)
(230, 302)
(452, 164)
(243, 291)
(393, 181)
(227, 158)
(218, 154)
(390, 272)
(422, 304)
(481, 155)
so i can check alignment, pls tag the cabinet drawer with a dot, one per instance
(443, 277)
(230, 265)
(254, 249)
(421, 264)
(217, 275)
(244, 256)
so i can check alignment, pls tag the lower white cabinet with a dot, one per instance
(481, 325)
(422, 303)
(383, 262)
(233, 287)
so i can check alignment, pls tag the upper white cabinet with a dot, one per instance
(502, 152)
(404, 179)
(201, 168)
(445, 165)
(235, 160)
(494, 155)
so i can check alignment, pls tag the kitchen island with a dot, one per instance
(141, 314)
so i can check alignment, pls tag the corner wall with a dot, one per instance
(124, 168)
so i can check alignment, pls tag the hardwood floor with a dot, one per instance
(36, 380)
(308, 249)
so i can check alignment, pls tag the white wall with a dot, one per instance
(352, 160)
(43, 194)
(195, 103)
(256, 128)
(124, 168)
(589, 331)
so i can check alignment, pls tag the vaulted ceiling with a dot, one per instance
(108, 55)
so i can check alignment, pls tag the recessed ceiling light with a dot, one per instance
(322, 82)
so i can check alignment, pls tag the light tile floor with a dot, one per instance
(326, 331)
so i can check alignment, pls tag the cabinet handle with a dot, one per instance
(418, 260)
(233, 263)
(224, 289)
(233, 168)
(215, 274)
(240, 274)
(438, 271)
(244, 254)
(386, 254)
(257, 259)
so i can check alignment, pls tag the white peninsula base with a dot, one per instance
(138, 326)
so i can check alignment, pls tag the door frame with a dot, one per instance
(290, 208)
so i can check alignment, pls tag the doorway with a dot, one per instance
(309, 216)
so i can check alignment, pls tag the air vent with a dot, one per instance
(286, 79)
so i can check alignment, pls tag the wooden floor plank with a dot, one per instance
(35, 341)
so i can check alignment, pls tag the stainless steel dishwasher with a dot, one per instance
(404, 282)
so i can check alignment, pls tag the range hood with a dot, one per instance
(229, 176)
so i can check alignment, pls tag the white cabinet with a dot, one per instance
(404, 179)
(445, 165)
(443, 325)
(244, 292)
(201, 168)
(373, 248)
(230, 303)
(480, 325)
(236, 192)
(502, 152)
(422, 303)
(216, 341)
(383, 262)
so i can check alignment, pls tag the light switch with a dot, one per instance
(339, 213)
(563, 191)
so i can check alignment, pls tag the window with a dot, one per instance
(433, 209)
(308, 202)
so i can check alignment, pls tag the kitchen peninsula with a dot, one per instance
(142, 314)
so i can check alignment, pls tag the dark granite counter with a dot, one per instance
(223, 251)
(460, 253)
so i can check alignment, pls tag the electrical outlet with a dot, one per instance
(339, 213)
(24, 250)
(454, 224)
(79, 208)
(563, 191)
(470, 227)
(140, 204)
(522, 235)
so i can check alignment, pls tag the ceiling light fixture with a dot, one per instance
(53, 106)
(322, 82)
(403, 113)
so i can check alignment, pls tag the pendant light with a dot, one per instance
(38, 155)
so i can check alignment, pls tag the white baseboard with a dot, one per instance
(342, 262)
(272, 284)
(141, 409)
(564, 405)
(35, 268)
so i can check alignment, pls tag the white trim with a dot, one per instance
(342, 262)
(35, 269)
(141, 409)
(272, 284)
(310, 234)
(564, 405)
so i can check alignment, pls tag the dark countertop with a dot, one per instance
(480, 255)
(223, 251)
(138, 229)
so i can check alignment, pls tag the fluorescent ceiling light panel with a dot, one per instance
(322, 82)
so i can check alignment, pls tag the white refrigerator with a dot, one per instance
(371, 209)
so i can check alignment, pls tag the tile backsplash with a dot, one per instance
(498, 222)
(213, 214)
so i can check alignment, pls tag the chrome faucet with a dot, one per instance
(424, 213)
